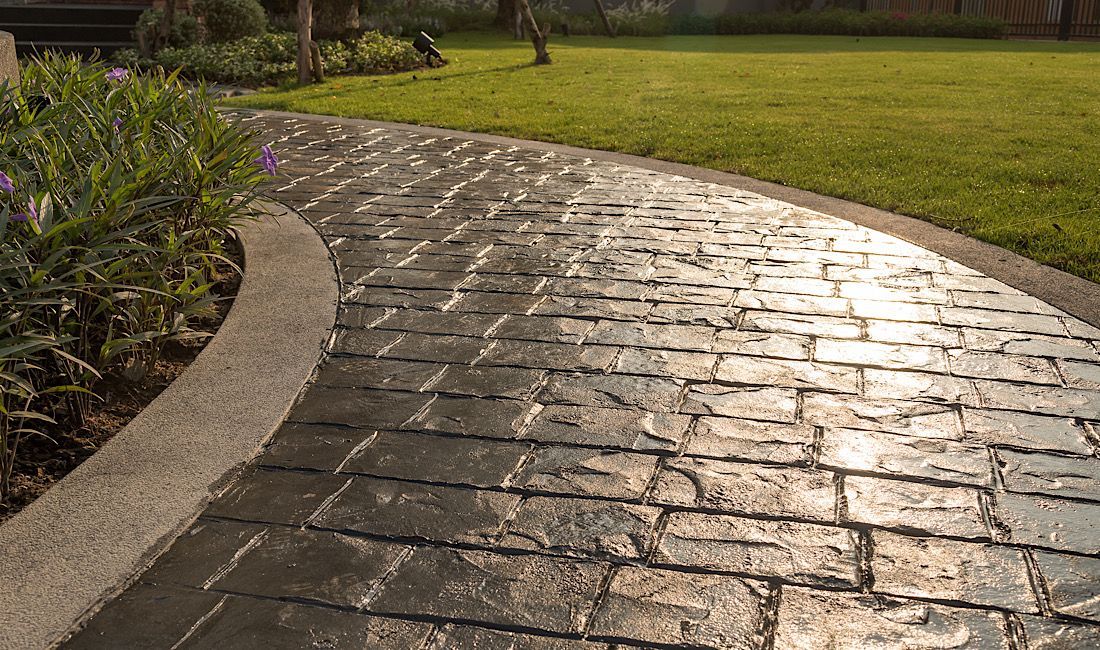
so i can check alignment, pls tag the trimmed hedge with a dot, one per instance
(268, 59)
(842, 22)
(651, 18)
(827, 22)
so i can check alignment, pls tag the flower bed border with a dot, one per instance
(98, 527)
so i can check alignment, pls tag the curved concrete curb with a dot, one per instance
(105, 521)
(1069, 293)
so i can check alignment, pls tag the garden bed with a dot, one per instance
(120, 197)
(88, 534)
(233, 42)
(270, 58)
(43, 461)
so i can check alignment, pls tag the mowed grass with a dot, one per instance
(996, 139)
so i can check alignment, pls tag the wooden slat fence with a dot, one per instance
(1062, 19)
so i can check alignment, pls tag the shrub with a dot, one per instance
(405, 24)
(691, 24)
(854, 23)
(271, 58)
(435, 17)
(185, 29)
(249, 61)
(374, 52)
(228, 20)
(641, 17)
(118, 196)
(652, 18)
(280, 7)
(631, 18)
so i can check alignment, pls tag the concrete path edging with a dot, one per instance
(1074, 295)
(93, 531)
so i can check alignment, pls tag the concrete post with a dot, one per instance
(9, 63)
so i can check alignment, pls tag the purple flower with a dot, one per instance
(6, 184)
(30, 215)
(117, 123)
(118, 74)
(268, 160)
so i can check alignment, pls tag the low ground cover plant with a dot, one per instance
(118, 194)
(270, 58)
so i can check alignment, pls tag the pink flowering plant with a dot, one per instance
(118, 196)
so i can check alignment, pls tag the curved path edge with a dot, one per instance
(91, 532)
(1072, 294)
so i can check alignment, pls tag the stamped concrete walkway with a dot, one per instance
(577, 405)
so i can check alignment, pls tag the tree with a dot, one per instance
(166, 24)
(538, 38)
(603, 17)
(305, 38)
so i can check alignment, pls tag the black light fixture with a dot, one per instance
(423, 44)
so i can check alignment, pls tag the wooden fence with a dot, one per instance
(1061, 19)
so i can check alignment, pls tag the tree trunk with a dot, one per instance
(603, 16)
(538, 39)
(305, 26)
(318, 64)
(166, 23)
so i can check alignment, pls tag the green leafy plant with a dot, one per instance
(641, 17)
(229, 20)
(117, 196)
(409, 17)
(185, 28)
(270, 58)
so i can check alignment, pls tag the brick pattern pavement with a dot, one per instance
(572, 405)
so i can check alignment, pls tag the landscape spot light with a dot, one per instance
(423, 44)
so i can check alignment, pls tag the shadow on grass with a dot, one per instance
(448, 76)
(311, 91)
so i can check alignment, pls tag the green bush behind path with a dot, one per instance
(997, 139)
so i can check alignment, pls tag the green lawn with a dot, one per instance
(997, 139)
